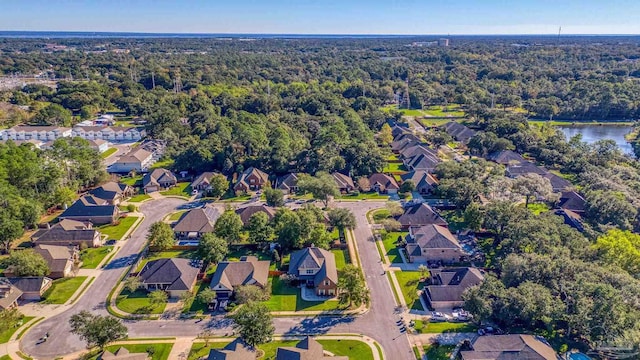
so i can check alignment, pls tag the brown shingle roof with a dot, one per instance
(420, 215)
(199, 220)
(58, 257)
(178, 273)
(343, 181)
(246, 212)
(508, 347)
(248, 271)
(235, 350)
(453, 283)
(435, 237)
(307, 349)
(314, 258)
(384, 181)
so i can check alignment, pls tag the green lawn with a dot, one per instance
(132, 181)
(165, 164)
(409, 283)
(196, 305)
(354, 349)
(444, 327)
(137, 303)
(157, 351)
(5, 357)
(380, 214)
(231, 196)
(389, 242)
(444, 111)
(363, 196)
(394, 168)
(538, 208)
(165, 255)
(455, 220)
(6, 335)
(441, 352)
(62, 289)
(181, 189)
(92, 257)
(139, 198)
(108, 152)
(286, 298)
(177, 215)
(116, 232)
(342, 258)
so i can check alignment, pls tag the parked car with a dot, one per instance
(461, 315)
(194, 192)
(438, 316)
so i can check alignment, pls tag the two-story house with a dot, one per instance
(251, 179)
(317, 268)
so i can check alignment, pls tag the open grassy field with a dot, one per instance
(410, 283)
(92, 257)
(62, 289)
(116, 232)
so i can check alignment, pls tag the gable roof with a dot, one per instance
(453, 283)
(176, 272)
(235, 350)
(248, 271)
(306, 349)
(420, 178)
(199, 220)
(110, 190)
(264, 177)
(557, 183)
(343, 181)
(315, 258)
(423, 162)
(525, 167)
(157, 176)
(399, 129)
(66, 231)
(435, 237)
(459, 131)
(418, 149)
(136, 155)
(88, 206)
(30, 283)
(288, 181)
(123, 354)
(68, 224)
(571, 200)
(505, 157)
(384, 181)
(507, 347)
(404, 141)
(247, 212)
(204, 178)
(8, 293)
(420, 215)
(58, 257)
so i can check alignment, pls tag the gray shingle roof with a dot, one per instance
(453, 283)
(177, 272)
(58, 257)
(199, 220)
(235, 350)
(307, 349)
(30, 283)
(314, 258)
(571, 200)
(506, 157)
(90, 206)
(286, 182)
(110, 190)
(203, 179)
(135, 155)
(420, 215)
(435, 237)
(420, 178)
(247, 271)
(158, 176)
(343, 181)
(508, 347)
(8, 293)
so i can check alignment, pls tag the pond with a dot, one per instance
(593, 133)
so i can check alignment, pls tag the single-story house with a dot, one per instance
(91, 209)
(571, 218)
(525, 167)
(459, 132)
(62, 260)
(433, 243)
(420, 215)
(448, 285)
(307, 349)
(113, 192)
(251, 179)
(235, 350)
(230, 274)
(422, 161)
(418, 149)
(424, 182)
(344, 182)
(506, 157)
(557, 183)
(68, 233)
(196, 222)
(203, 181)
(288, 183)
(175, 276)
(137, 160)
(9, 295)
(317, 267)
(513, 346)
(158, 179)
(404, 140)
(123, 354)
(247, 212)
(383, 183)
(571, 200)
(32, 287)
(398, 129)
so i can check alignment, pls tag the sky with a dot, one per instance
(416, 17)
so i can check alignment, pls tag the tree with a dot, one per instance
(407, 187)
(533, 186)
(253, 323)
(473, 216)
(394, 208)
(28, 263)
(391, 225)
(212, 248)
(620, 248)
(160, 236)
(97, 330)
(206, 296)
(288, 229)
(229, 226)
(424, 271)
(218, 186)
(364, 184)
(500, 214)
(342, 219)
(274, 197)
(132, 283)
(318, 236)
(158, 297)
(351, 287)
(9, 318)
(247, 293)
(322, 186)
(10, 229)
(259, 229)
(386, 135)
(462, 191)
(53, 114)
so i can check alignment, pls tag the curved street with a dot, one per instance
(378, 323)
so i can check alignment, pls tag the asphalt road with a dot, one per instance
(378, 323)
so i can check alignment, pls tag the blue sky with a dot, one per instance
(325, 16)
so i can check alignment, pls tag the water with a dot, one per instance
(593, 133)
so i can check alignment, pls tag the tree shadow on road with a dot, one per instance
(320, 324)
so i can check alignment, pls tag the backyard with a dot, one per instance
(137, 302)
(116, 232)
(287, 298)
(92, 257)
(394, 167)
(157, 351)
(132, 181)
(62, 289)
(108, 152)
(181, 189)
(410, 284)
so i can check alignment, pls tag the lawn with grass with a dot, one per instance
(538, 208)
(410, 284)
(6, 335)
(137, 302)
(116, 232)
(380, 214)
(287, 298)
(139, 198)
(455, 220)
(444, 111)
(199, 350)
(394, 167)
(132, 181)
(389, 241)
(109, 152)
(92, 257)
(5, 357)
(354, 349)
(155, 255)
(443, 327)
(177, 215)
(164, 164)
(196, 305)
(439, 352)
(157, 351)
(342, 258)
(62, 289)
(363, 196)
(181, 189)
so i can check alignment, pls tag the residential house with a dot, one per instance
(424, 182)
(459, 132)
(63, 261)
(203, 181)
(418, 149)
(158, 179)
(426, 162)
(113, 192)
(247, 212)
(317, 268)
(251, 179)
(514, 346)
(123, 354)
(398, 129)
(32, 287)
(175, 276)
(344, 182)
(307, 349)
(43, 133)
(404, 141)
(383, 183)
(111, 133)
(571, 200)
(506, 157)
(99, 145)
(448, 285)
(235, 350)
(571, 218)
(9, 295)
(68, 233)
(288, 183)
(526, 167)
(91, 209)
(420, 215)
(557, 183)
(138, 160)
(196, 222)
(229, 275)
(433, 243)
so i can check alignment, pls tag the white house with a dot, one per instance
(43, 133)
(112, 133)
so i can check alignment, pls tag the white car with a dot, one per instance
(438, 316)
(194, 192)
